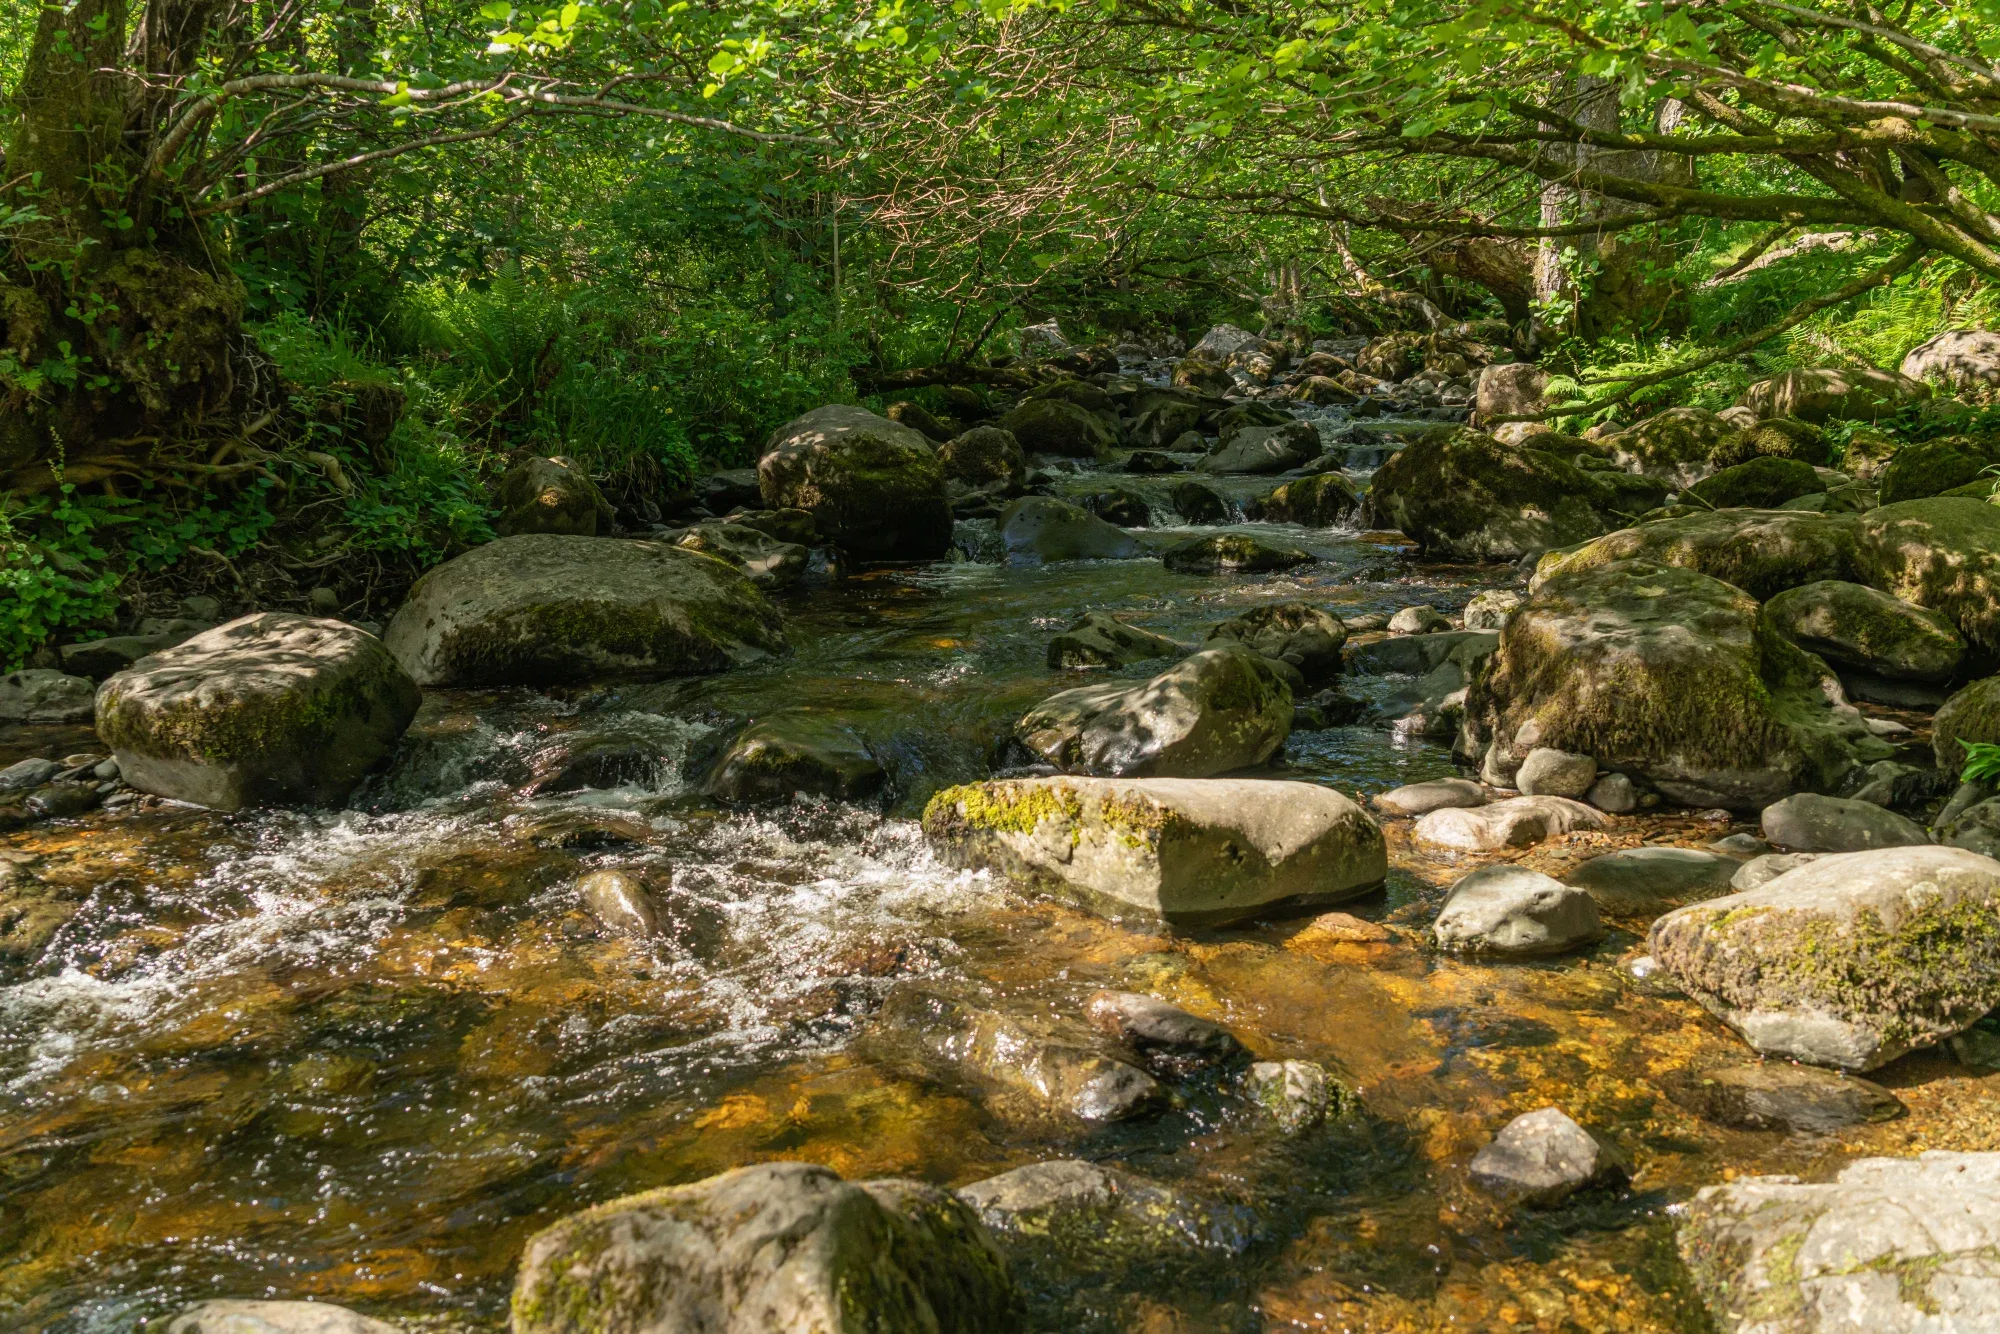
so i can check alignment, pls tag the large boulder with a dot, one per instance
(1934, 467)
(1298, 633)
(1041, 528)
(794, 752)
(1972, 714)
(875, 488)
(550, 496)
(1761, 483)
(1942, 554)
(981, 455)
(1890, 1244)
(1668, 675)
(1854, 626)
(544, 610)
(1762, 552)
(1186, 851)
(1221, 709)
(775, 1247)
(1263, 449)
(1462, 495)
(1832, 393)
(269, 709)
(1511, 389)
(1679, 445)
(1848, 961)
(1319, 501)
(1058, 426)
(1965, 361)
(1777, 438)
(44, 695)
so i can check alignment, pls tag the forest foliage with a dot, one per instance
(642, 233)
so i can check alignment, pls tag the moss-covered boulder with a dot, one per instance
(1851, 625)
(1221, 709)
(765, 560)
(1188, 851)
(1199, 504)
(1099, 639)
(875, 489)
(981, 455)
(1319, 501)
(1233, 553)
(1933, 467)
(1057, 426)
(550, 496)
(269, 709)
(786, 754)
(1762, 483)
(1298, 633)
(1678, 445)
(1264, 449)
(1762, 552)
(1850, 960)
(547, 610)
(1971, 715)
(1042, 529)
(1462, 495)
(1833, 393)
(778, 1246)
(1943, 554)
(1668, 675)
(1778, 438)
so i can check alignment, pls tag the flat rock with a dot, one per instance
(1102, 1211)
(1809, 822)
(1849, 961)
(1515, 822)
(1218, 710)
(43, 695)
(230, 1316)
(1542, 1158)
(1099, 639)
(1889, 1244)
(1635, 880)
(269, 709)
(1513, 911)
(1776, 1095)
(778, 1246)
(1183, 850)
(1435, 795)
(544, 609)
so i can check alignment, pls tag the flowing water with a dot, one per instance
(362, 1055)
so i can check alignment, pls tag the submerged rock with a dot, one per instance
(1851, 625)
(1890, 1244)
(231, 1316)
(1775, 1095)
(1294, 632)
(1233, 553)
(778, 1246)
(1542, 1158)
(1164, 1035)
(1181, 850)
(270, 709)
(1513, 823)
(1670, 676)
(1809, 822)
(1513, 911)
(1221, 709)
(547, 610)
(1037, 528)
(43, 695)
(551, 496)
(1102, 1212)
(791, 753)
(620, 903)
(1098, 639)
(1298, 1095)
(1849, 961)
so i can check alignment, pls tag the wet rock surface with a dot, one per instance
(1218, 710)
(875, 488)
(1513, 911)
(232, 1316)
(1543, 1157)
(1777, 1095)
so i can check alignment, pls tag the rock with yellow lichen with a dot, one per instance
(1181, 850)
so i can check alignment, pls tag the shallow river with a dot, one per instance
(363, 1055)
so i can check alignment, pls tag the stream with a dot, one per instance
(362, 1055)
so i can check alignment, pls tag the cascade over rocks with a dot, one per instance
(778, 1246)
(1463, 495)
(542, 610)
(1668, 675)
(1848, 961)
(269, 709)
(1833, 393)
(1221, 709)
(1762, 552)
(1185, 851)
(875, 488)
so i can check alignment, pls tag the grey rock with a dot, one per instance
(1614, 794)
(228, 1316)
(620, 903)
(1293, 632)
(777, 1247)
(1976, 829)
(1542, 1158)
(1741, 845)
(1164, 1035)
(1038, 528)
(1776, 1095)
(1548, 772)
(1909, 1245)
(1221, 709)
(201, 608)
(1418, 655)
(1098, 639)
(1233, 553)
(1967, 361)
(545, 610)
(1513, 911)
(1963, 799)
(1104, 1212)
(729, 489)
(1513, 823)
(27, 773)
(1183, 850)
(1762, 870)
(1809, 822)
(1297, 1094)
(1264, 449)
(1897, 786)
(1489, 610)
(790, 753)
(1435, 795)
(1853, 626)
(1849, 961)
(874, 488)
(269, 709)
(99, 658)
(1418, 621)
(1635, 880)
(43, 695)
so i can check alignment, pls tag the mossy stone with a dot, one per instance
(1932, 467)
(1462, 495)
(1762, 552)
(1851, 625)
(1942, 554)
(1761, 483)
